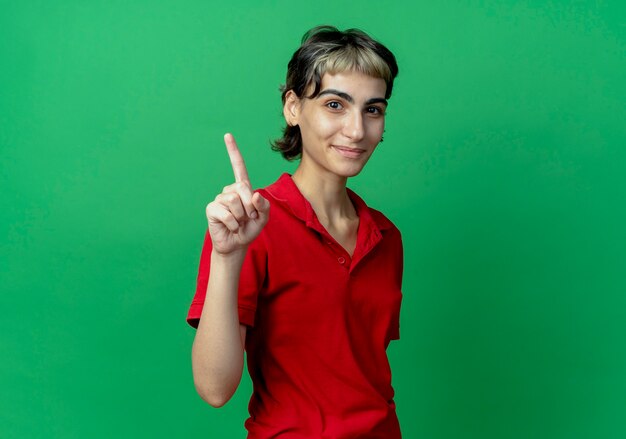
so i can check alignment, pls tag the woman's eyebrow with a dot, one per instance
(341, 94)
(347, 97)
(376, 101)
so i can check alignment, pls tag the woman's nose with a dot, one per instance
(353, 127)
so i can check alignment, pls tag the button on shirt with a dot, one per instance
(319, 321)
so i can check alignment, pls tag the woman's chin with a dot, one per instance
(349, 171)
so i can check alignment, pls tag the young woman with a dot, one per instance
(302, 274)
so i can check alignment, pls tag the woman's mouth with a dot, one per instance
(351, 153)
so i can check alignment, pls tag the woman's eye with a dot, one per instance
(334, 105)
(375, 110)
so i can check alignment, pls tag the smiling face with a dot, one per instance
(342, 125)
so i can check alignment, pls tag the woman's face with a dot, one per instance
(342, 125)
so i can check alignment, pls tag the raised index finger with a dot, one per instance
(236, 160)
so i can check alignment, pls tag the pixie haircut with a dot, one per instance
(326, 49)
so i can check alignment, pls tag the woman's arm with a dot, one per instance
(217, 353)
(235, 217)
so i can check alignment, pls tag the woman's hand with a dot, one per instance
(237, 215)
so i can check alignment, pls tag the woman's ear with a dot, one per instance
(291, 108)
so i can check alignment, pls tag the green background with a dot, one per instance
(503, 166)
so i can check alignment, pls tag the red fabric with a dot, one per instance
(319, 322)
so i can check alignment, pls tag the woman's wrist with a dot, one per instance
(234, 258)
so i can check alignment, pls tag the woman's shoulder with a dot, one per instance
(381, 219)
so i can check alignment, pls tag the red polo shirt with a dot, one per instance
(319, 322)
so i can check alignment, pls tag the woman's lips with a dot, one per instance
(351, 153)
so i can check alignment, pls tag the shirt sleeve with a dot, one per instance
(395, 326)
(251, 281)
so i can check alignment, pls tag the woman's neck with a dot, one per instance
(327, 194)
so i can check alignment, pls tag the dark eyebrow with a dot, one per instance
(341, 94)
(347, 97)
(376, 101)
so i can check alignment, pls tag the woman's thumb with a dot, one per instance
(260, 203)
